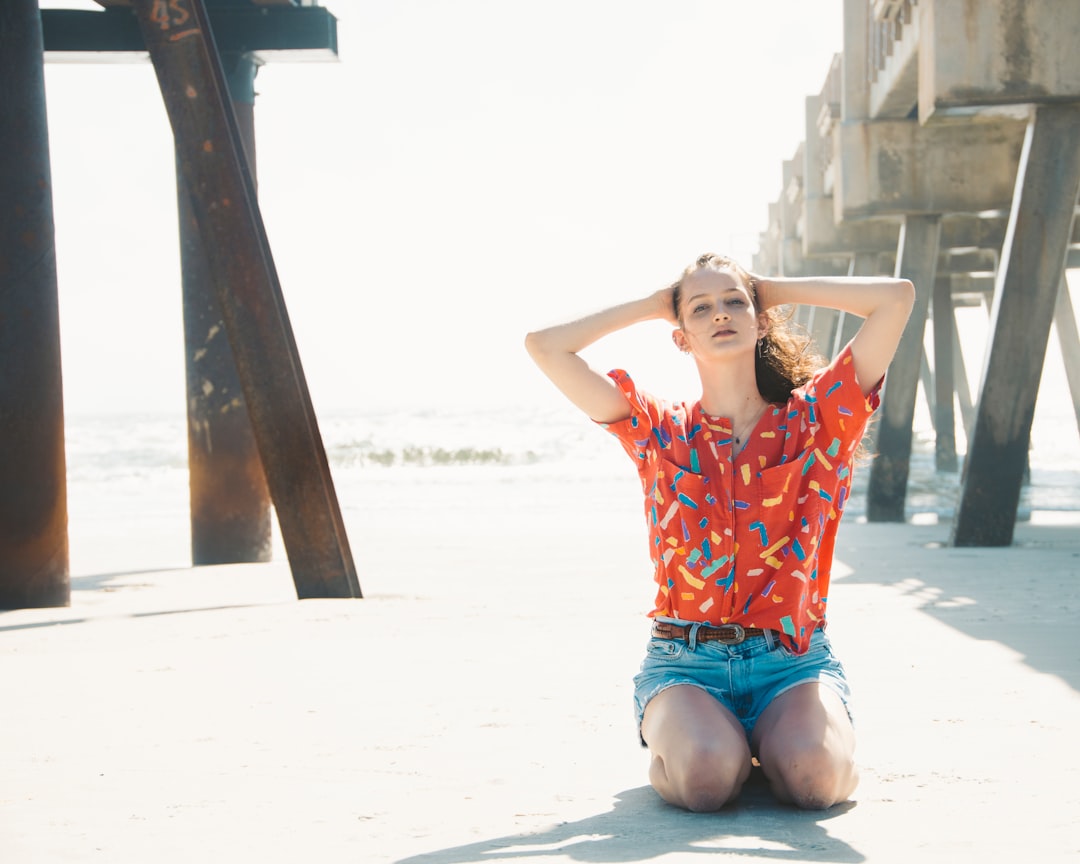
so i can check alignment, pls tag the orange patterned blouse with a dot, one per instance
(747, 538)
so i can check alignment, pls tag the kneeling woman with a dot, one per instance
(744, 489)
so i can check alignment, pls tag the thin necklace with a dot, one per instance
(747, 428)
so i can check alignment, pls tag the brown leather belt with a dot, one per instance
(728, 634)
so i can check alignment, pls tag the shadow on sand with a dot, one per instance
(115, 582)
(1025, 596)
(641, 827)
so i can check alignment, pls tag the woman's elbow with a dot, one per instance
(534, 342)
(543, 345)
(905, 293)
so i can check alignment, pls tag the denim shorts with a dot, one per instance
(744, 678)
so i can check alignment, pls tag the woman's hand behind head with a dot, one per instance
(665, 305)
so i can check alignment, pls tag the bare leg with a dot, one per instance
(700, 755)
(806, 747)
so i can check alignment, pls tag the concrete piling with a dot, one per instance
(944, 385)
(1027, 289)
(917, 261)
(925, 116)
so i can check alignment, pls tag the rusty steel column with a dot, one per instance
(230, 501)
(33, 483)
(237, 252)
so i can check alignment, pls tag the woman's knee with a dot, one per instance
(704, 777)
(806, 746)
(702, 755)
(813, 779)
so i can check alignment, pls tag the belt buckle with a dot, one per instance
(738, 634)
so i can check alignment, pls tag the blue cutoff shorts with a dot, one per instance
(744, 678)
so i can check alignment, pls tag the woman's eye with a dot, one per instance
(737, 301)
(701, 307)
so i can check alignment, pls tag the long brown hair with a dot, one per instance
(784, 359)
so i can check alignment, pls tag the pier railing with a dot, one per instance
(892, 56)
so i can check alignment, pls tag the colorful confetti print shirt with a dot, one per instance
(747, 538)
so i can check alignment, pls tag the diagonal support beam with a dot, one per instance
(963, 388)
(1069, 339)
(211, 160)
(1028, 280)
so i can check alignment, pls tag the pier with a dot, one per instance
(476, 708)
(253, 436)
(942, 148)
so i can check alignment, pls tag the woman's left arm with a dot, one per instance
(884, 302)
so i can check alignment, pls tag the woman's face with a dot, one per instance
(717, 314)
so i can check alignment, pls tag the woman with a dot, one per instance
(743, 492)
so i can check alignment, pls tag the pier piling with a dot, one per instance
(230, 500)
(33, 485)
(237, 251)
(1028, 280)
(917, 261)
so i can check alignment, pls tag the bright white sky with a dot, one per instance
(468, 170)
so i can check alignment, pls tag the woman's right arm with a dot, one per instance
(555, 351)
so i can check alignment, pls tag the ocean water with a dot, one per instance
(128, 481)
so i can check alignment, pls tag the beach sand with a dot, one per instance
(476, 705)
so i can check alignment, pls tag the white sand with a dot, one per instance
(476, 705)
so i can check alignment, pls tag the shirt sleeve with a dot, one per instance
(836, 401)
(644, 425)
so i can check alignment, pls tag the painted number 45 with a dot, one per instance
(169, 13)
